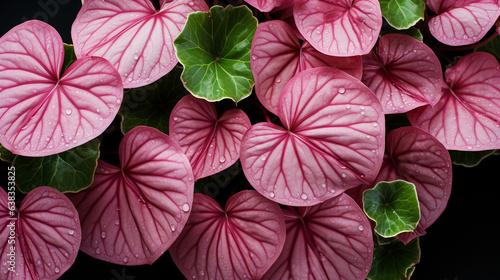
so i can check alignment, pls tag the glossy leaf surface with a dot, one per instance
(211, 143)
(43, 113)
(135, 37)
(394, 260)
(331, 240)
(240, 242)
(130, 216)
(333, 140)
(402, 14)
(46, 235)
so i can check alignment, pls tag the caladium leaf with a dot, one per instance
(214, 48)
(405, 74)
(265, 5)
(240, 242)
(402, 14)
(277, 56)
(394, 260)
(341, 28)
(68, 171)
(333, 140)
(131, 215)
(43, 113)
(460, 23)
(467, 117)
(44, 235)
(135, 37)
(331, 240)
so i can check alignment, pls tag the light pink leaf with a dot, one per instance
(341, 28)
(405, 74)
(467, 117)
(331, 240)
(130, 216)
(132, 35)
(241, 242)
(277, 56)
(42, 113)
(462, 22)
(333, 140)
(44, 235)
(265, 5)
(210, 143)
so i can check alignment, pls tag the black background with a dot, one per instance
(464, 243)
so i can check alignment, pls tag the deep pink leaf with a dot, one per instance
(462, 22)
(46, 235)
(333, 140)
(211, 143)
(341, 28)
(42, 113)
(241, 242)
(331, 240)
(265, 5)
(405, 74)
(277, 56)
(132, 35)
(130, 216)
(467, 117)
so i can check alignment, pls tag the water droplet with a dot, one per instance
(278, 79)
(118, 101)
(185, 207)
(103, 234)
(348, 106)
(222, 159)
(39, 262)
(341, 90)
(344, 175)
(71, 232)
(68, 111)
(262, 157)
(136, 56)
(361, 227)
(191, 3)
(469, 147)
(375, 124)
(175, 118)
(98, 110)
(125, 260)
(172, 227)
(303, 196)
(254, 57)
(271, 194)
(117, 222)
(57, 270)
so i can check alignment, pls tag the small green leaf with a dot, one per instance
(393, 206)
(402, 14)
(469, 159)
(69, 57)
(492, 47)
(393, 260)
(151, 105)
(214, 48)
(69, 171)
(6, 155)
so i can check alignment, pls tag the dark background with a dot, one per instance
(464, 243)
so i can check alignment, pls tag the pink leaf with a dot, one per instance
(42, 113)
(265, 5)
(45, 237)
(132, 35)
(211, 143)
(341, 28)
(333, 140)
(132, 215)
(241, 242)
(404, 75)
(331, 240)
(277, 56)
(462, 22)
(467, 117)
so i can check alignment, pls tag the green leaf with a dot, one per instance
(69, 57)
(214, 48)
(492, 47)
(69, 171)
(6, 155)
(393, 206)
(393, 260)
(402, 14)
(469, 159)
(151, 105)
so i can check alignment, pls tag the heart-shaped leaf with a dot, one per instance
(42, 113)
(211, 143)
(393, 206)
(460, 23)
(68, 171)
(135, 37)
(130, 216)
(333, 140)
(394, 260)
(331, 240)
(41, 241)
(467, 117)
(402, 14)
(214, 48)
(241, 242)
(341, 28)
(277, 56)
(405, 74)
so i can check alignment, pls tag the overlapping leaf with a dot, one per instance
(43, 113)
(210, 142)
(135, 37)
(45, 235)
(277, 56)
(332, 240)
(265, 5)
(131, 215)
(333, 140)
(241, 242)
